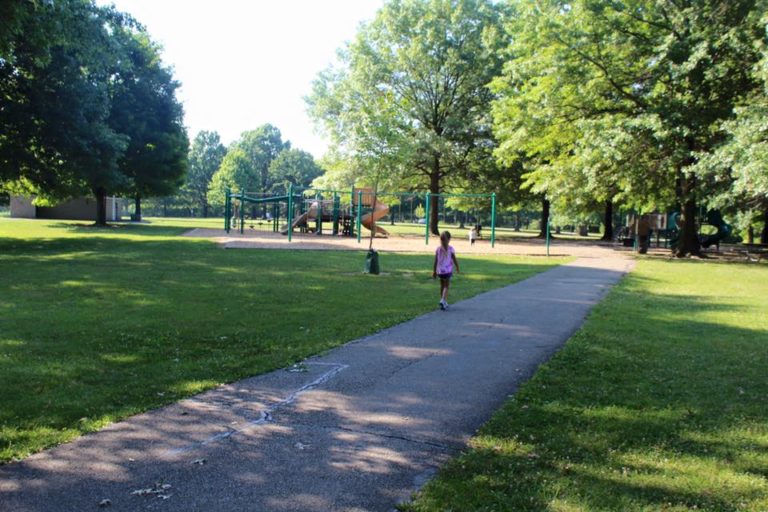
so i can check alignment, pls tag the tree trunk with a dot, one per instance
(137, 208)
(101, 207)
(764, 233)
(544, 218)
(205, 209)
(750, 235)
(688, 242)
(434, 205)
(608, 222)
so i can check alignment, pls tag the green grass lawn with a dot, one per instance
(99, 324)
(660, 402)
(187, 222)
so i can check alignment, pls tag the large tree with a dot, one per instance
(205, 158)
(56, 78)
(638, 89)
(235, 174)
(292, 167)
(72, 119)
(742, 160)
(145, 109)
(245, 167)
(416, 76)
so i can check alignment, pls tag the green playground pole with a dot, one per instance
(275, 215)
(290, 211)
(227, 211)
(493, 219)
(336, 208)
(242, 212)
(426, 220)
(548, 237)
(359, 213)
(319, 218)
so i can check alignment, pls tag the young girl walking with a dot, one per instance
(445, 261)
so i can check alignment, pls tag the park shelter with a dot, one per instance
(80, 208)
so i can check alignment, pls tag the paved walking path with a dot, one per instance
(359, 428)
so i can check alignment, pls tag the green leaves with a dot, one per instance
(618, 101)
(292, 166)
(261, 162)
(86, 102)
(205, 157)
(408, 100)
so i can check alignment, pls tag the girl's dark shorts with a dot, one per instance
(445, 276)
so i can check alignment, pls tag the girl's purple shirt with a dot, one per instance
(445, 259)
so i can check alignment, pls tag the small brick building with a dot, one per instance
(81, 208)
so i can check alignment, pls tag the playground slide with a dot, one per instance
(715, 218)
(379, 212)
(302, 219)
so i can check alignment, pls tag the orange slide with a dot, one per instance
(302, 219)
(379, 212)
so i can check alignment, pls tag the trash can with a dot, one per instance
(372, 262)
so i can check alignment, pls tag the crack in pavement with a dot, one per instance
(266, 414)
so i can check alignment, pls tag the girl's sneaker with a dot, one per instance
(443, 305)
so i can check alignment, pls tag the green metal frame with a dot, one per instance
(336, 211)
(227, 212)
(242, 212)
(358, 223)
(293, 194)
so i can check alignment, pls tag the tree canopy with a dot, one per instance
(409, 93)
(145, 109)
(205, 157)
(292, 167)
(619, 101)
(246, 165)
(260, 162)
(71, 75)
(587, 104)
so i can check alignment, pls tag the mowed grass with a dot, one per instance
(660, 402)
(99, 324)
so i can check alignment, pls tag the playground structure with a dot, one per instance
(665, 228)
(344, 213)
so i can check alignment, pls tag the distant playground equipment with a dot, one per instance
(345, 213)
(665, 229)
(324, 211)
(723, 230)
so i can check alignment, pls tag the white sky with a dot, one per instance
(243, 63)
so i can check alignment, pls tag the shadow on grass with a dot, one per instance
(401, 402)
(121, 228)
(96, 328)
(649, 407)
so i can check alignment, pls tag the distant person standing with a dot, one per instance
(445, 260)
(643, 231)
(472, 236)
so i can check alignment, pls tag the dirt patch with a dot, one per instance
(410, 244)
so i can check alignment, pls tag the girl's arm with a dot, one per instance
(455, 262)
(434, 267)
